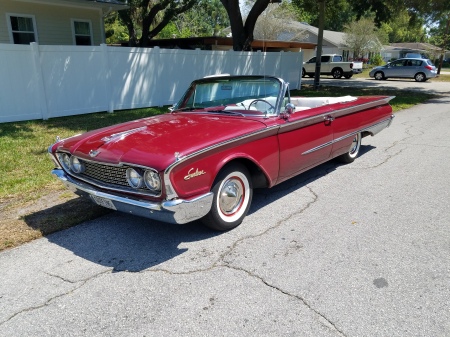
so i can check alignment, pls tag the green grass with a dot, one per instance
(24, 162)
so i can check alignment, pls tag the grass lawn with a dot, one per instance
(33, 203)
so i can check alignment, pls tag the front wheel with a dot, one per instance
(379, 75)
(353, 152)
(233, 193)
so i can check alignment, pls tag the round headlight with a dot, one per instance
(152, 180)
(134, 178)
(76, 165)
(64, 159)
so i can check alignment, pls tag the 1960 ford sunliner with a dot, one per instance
(226, 136)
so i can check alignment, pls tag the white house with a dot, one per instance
(55, 22)
(398, 50)
(333, 42)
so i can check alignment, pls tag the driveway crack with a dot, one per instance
(329, 323)
(50, 300)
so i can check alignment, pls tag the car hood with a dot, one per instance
(154, 141)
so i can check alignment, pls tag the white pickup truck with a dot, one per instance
(331, 64)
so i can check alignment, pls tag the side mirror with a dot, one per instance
(288, 110)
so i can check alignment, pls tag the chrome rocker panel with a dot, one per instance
(178, 211)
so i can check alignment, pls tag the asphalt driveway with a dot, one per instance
(342, 250)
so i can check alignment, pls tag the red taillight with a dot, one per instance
(429, 67)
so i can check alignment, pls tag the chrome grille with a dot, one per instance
(108, 174)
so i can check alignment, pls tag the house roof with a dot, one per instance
(103, 4)
(197, 42)
(330, 37)
(415, 46)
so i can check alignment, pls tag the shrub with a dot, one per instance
(376, 60)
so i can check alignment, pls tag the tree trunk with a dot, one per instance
(243, 34)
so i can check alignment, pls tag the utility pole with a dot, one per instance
(319, 43)
(441, 58)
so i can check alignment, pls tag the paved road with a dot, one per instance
(343, 250)
(430, 86)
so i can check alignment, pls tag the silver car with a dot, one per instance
(419, 69)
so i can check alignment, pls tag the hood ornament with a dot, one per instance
(93, 153)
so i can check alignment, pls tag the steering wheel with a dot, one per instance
(261, 100)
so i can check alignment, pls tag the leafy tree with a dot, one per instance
(206, 18)
(275, 21)
(361, 36)
(146, 18)
(115, 31)
(404, 28)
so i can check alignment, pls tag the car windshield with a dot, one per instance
(240, 94)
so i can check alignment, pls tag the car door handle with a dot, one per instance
(329, 118)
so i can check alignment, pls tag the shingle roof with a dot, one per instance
(331, 37)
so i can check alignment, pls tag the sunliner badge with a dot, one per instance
(247, 130)
(192, 174)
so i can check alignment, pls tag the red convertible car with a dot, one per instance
(226, 136)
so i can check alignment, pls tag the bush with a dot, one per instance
(376, 60)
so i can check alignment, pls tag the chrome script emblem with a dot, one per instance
(93, 153)
(193, 174)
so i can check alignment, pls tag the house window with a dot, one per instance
(82, 32)
(22, 28)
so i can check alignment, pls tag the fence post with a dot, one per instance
(160, 78)
(107, 72)
(40, 85)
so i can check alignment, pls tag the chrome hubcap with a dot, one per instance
(355, 145)
(231, 196)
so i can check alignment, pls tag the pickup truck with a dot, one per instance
(330, 64)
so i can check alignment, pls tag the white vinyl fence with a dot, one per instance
(41, 82)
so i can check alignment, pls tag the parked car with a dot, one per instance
(226, 136)
(415, 55)
(330, 64)
(418, 69)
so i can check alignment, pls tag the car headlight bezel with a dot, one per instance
(76, 165)
(152, 180)
(134, 178)
(64, 160)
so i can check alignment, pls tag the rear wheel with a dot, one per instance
(232, 198)
(337, 73)
(353, 152)
(303, 72)
(420, 77)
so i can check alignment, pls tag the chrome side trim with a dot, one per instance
(373, 130)
(333, 114)
(178, 211)
(318, 147)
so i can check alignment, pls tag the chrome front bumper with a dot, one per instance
(178, 211)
